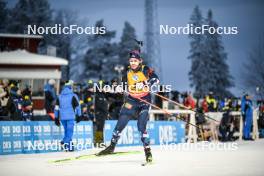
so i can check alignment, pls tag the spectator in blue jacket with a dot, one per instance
(67, 109)
(247, 113)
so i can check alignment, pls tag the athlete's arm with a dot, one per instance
(152, 76)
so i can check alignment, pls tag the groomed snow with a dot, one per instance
(247, 160)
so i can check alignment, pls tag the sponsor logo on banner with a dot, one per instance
(158, 131)
(127, 136)
(26, 144)
(16, 130)
(37, 130)
(7, 146)
(46, 130)
(40, 137)
(167, 134)
(17, 145)
(55, 130)
(6, 131)
(26, 130)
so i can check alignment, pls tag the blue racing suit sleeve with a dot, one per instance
(152, 76)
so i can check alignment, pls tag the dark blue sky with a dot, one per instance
(246, 15)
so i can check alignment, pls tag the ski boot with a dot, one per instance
(108, 150)
(148, 155)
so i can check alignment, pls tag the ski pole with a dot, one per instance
(166, 112)
(181, 105)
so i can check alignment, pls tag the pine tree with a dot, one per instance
(218, 75)
(30, 12)
(253, 70)
(197, 55)
(209, 71)
(79, 47)
(63, 41)
(3, 16)
(101, 57)
(127, 43)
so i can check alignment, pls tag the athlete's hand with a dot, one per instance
(153, 81)
(140, 85)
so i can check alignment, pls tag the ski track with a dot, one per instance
(247, 160)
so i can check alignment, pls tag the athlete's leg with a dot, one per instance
(129, 108)
(142, 126)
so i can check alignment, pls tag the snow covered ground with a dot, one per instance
(247, 159)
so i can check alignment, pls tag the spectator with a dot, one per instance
(189, 101)
(211, 102)
(115, 101)
(67, 110)
(88, 99)
(226, 127)
(205, 105)
(247, 113)
(27, 92)
(14, 103)
(4, 96)
(27, 108)
(50, 97)
(175, 96)
(101, 113)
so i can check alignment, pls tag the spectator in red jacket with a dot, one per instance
(189, 101)
(204, 105)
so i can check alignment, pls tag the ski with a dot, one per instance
(147, 163)
(90, 156)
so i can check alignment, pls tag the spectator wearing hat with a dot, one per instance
(67, 110)
(27, 108)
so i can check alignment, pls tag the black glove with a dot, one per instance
(57, 122)
(78, 119)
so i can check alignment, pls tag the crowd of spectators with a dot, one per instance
(15, 104)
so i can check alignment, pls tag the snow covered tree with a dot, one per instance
(63, 41)
(197, 56)
(101, 57)
(127, 43)
(218, 75)
(209, 71)
(79, 47)
(253, 71)
(28, 12)
(3, 16)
